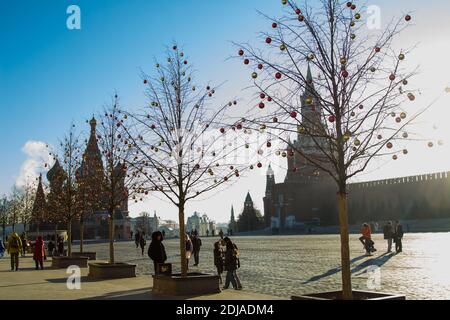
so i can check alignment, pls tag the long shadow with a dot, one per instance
(139, 294)
(378, 261)
(82, 279)
(331, 271)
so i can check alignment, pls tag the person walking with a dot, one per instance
(232, 263)
(219, 258)
(142, 243)
(221, 234)
(366, 239)
(137, 239)
(131, 235)
(156, 250)
(196, 245)
(398, 237)
(14, 248)
(388, 232)
(2, 249)
(60, 246)
(23, 238)
(189, 249)
(51, 248)
(39, 253)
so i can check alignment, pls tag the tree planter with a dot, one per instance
(90, 255)
(112, 271)
(193, 284)
(64, 262)
(357, 295)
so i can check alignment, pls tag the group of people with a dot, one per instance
(226, 256)
(17, 247)
(392, 233)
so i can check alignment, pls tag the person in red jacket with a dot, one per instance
(366, 239)
(39, 253)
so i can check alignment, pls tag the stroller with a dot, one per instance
(369, 245)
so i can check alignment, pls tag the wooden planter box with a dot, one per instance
(65, 262)
(104, 270)
(357, 295)
(90, 255)
(193, 284)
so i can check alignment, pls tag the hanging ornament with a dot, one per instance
(411, 96)
(401, 56)
(394, 157)
(392, 77)
(349, 4)
(259, 165)
(332, 118)
(398, 119)
(293, 114)
(282, 47)
(357, 16)
(241, 52)
(222, 130)
(254, 75)
(405, 152)
(357, 142)
(389, 145)
(405, 135)
(403, 115)
(301, 18)
(260, 66)
(430, 144)
(343, 61)
(344, 73)
(308, 100)
(246, 61)
(377, 49)
(278, 75)
(261, 105)
(275, 119)
(262, 95)
(408, 17)
(274, 25)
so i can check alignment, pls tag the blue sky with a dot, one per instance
(50, 76)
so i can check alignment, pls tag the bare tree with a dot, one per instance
(62, 177)
(4, 214)
(26, 200)
(121, 174)
(181, 142)
(355, 109)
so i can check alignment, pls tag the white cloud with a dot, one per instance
(37, 156)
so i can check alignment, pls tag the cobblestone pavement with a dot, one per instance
(292, 265)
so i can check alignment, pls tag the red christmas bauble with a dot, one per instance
(278, 75)
(301, 18)
(392, 77)
(298, 11)
(222, 130)
(145, 81)
(268, 40)
(185, 62)
(259, 165)
(269, 99)
(275, 119)
(241, 52)
(262, 96)
(349, 4)
(274, 25)
(408, 18)
(246, 61)
(353, 7)
(377, 49)
(260, 66)
(345, 73)
(261, 105)
(293, 114)
(153, 127)
(269, 144)
(332, 118)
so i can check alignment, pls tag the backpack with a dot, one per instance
(14, 243)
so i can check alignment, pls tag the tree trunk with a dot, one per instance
(69, 240)
(182, 241)
(56, 232)
(345, 249)
(81, 235)
(111, 237)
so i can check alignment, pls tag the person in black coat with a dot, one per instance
(142, 243)
(398, 237)
(196, 244)
(232, 263)
(156, 250)
(219, 257)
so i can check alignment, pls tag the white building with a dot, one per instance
(202, 224)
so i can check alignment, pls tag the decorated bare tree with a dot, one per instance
(343, 89)
(63, 187)
(121, 174)
(181, 142)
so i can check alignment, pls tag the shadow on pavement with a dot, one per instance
(138, 294)
(378, 261)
